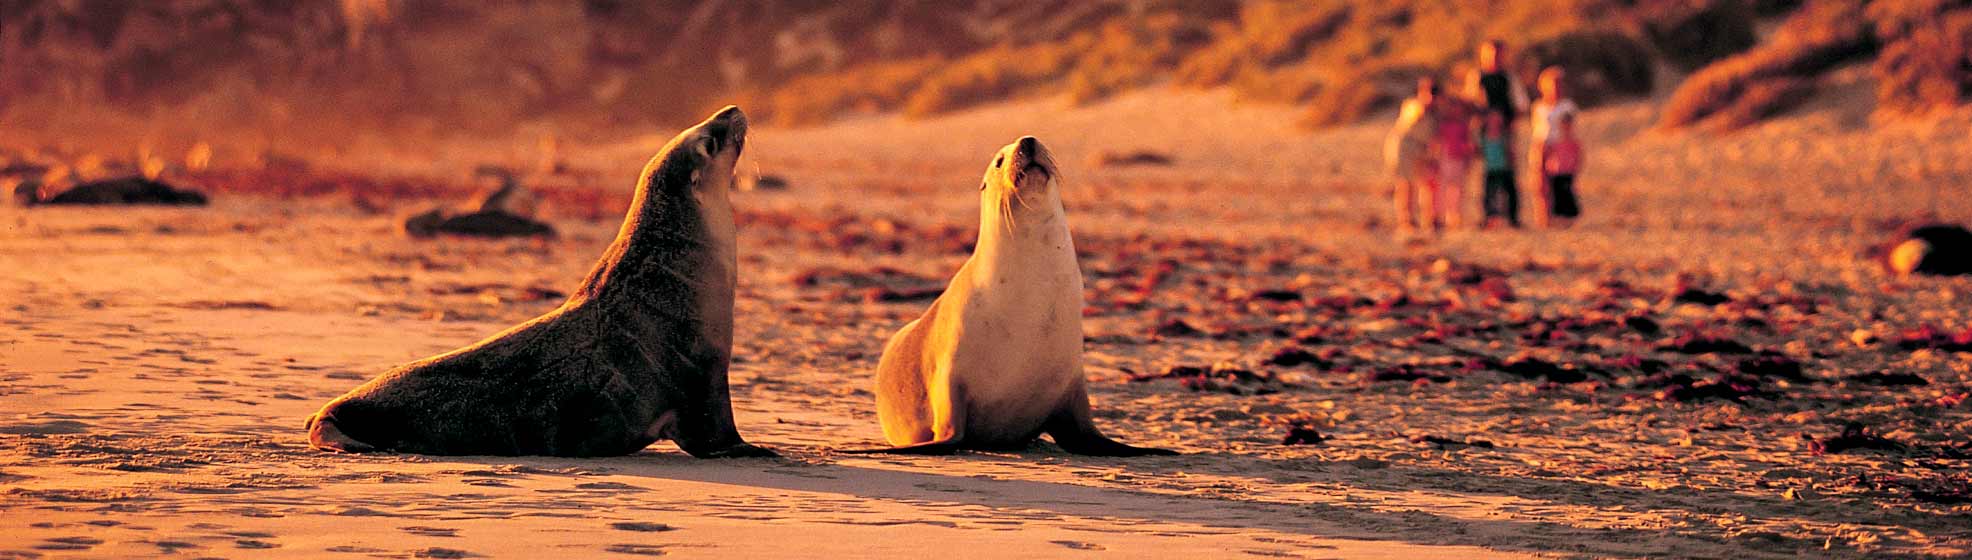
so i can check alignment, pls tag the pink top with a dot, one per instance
(1455, 128)
(1564, 157)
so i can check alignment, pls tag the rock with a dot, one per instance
(1888, 379)
(762, 182)
(1130, 159)
(1853, 436)
(1302, 434)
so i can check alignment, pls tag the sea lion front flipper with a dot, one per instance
(706, 429)
(1075, 431)
(951, 426)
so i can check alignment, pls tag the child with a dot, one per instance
(1454, 150)
(1408, 154)
(1563, 160)
(1502, 199)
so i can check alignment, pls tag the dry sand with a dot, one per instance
(156, 364)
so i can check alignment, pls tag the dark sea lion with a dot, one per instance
(637, 354)
(1934, 249)
(493, 217)
(997, 360)
(122, 190)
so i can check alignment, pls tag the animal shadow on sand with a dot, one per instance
(1130, 507)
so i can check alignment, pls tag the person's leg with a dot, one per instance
(1511, 189)
(1495, 198)
(1543, 205)
(1566, 205)
(1433, 199)
(1406, 218)
(1451, 191)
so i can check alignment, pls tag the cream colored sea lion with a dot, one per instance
(637, 354)
(997, 360)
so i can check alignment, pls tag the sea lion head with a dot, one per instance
(1907, 256)
(27, 193)
(700, 160)
(1022, 177)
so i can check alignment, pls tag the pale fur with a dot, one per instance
(997, 359)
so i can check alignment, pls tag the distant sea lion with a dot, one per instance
(1935, 249)
(997, 360)
(637, 354)
(122, 190)
(494, 216)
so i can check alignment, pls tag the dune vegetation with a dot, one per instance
(451, 65)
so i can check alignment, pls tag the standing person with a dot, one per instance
(1409, 154)
(1553, 106)
(1454, 150)
(1563, 162)
(1504, 95)
(1502, 201)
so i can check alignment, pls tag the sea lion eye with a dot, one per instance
(999, 160)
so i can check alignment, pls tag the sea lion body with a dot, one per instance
(118, 191)
(497, 214)
(639, 353)
(997, 359)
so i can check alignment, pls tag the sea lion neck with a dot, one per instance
(666, 245)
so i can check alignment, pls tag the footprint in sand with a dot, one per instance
(172, 547)
(69, 543)
(637, 549)
(436, 552)
(252, 544)
(430, 531)
(1079, 545)
(608, 486)
(642, 527)
(54, 427)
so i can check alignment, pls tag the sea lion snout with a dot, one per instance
(1031, 165)
(728, 126)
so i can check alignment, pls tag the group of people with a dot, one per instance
(1439, 136)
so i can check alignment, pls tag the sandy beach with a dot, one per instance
(1484, 394)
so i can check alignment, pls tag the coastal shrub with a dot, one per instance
(1693, 33)
(1926, 62)
(1819, 37)
(1600, 64)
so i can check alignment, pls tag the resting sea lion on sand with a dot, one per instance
(494, 216)
(997, 360)
(1936, 249)
(637, 354)
(123, 190)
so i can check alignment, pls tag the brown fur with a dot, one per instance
(637, 354)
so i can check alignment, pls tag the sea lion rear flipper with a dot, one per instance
(1075, 431)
